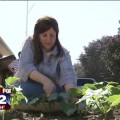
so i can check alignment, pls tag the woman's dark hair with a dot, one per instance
(19, 53)
(41, 26)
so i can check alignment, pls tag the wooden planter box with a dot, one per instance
(43, 107)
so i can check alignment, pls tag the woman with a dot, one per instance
(45, 66)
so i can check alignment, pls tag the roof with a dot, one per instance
(4, 49)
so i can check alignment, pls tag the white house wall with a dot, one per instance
(4, 49)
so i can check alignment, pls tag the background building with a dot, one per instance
(4, 49)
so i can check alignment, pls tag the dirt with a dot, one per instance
(32, 115)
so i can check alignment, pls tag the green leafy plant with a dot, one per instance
(64, 100)
(102, 97)
(16, 96)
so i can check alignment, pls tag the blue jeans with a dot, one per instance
(32, 89)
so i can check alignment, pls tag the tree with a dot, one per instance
(91, 61)
(79, 70)
(119, 29)
(111, 56)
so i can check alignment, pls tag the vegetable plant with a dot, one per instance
(16, 96)
(100, 97)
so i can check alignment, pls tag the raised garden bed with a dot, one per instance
(36, 115)
(99, 101)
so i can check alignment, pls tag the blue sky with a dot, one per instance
(80, 22)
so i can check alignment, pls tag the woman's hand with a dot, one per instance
(68, 86)
(49, 87)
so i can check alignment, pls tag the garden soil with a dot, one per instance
(57, 115)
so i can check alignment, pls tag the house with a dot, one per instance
(4, 49)
(6, 58)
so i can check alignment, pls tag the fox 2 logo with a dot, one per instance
(4, 101)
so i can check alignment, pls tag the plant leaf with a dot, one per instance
(33, 101)
(75, 92)
(65, 96)
(11, 80)
(68, 109)
(114, 100)
(53, 96)
(82, 105)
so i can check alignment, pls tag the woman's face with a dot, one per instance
(48, 39)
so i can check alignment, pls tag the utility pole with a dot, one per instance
(27, 19)
(27, 15)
